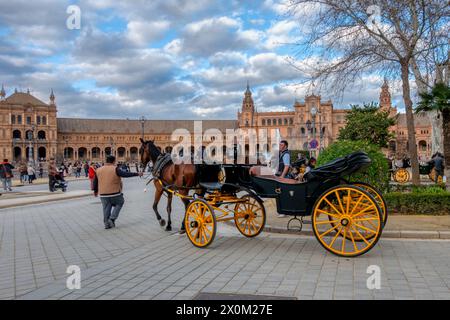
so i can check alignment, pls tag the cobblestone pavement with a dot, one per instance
(139, 260)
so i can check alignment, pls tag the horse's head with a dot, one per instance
(148, 151)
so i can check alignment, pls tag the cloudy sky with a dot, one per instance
(165, 59)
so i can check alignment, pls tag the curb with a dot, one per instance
(45, 182)
(391, 234)
(13, 205)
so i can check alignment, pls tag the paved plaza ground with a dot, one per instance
(139, 260)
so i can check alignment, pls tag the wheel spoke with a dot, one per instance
(332, 206)
(343, 240)
(357, 203)
(328, 231)
(348, 201)
(361, 236)
(361, 212)
(353, 240)
(327, 221)
(327, 213)
(339, 201)
(365, 228)
(335, 237)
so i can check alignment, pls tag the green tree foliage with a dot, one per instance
(368, 123)
(377, 174)
(439, 100)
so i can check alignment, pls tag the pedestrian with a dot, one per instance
(437, 161)
(91, 175)
(108, 184)
(86, 169)
(31, 174)
(41, 170)
(23, 170)
(6, 174)
(78, 171)
(52, 174)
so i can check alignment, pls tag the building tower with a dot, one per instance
(248, 109)
(385, 97)
(2, 94)
(52, 98)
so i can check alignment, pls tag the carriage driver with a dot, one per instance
(284, 161)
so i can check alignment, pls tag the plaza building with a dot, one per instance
(314, 124)
(31, 129)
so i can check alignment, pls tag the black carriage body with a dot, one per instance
(297, 199)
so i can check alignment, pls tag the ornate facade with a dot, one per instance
(29, 127)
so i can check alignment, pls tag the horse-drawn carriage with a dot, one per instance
(347, 218)
(402, 175)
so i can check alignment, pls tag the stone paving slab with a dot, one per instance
(139, 260)
(31, 198)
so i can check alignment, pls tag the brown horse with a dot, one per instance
(180, 176)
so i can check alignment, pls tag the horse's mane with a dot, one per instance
(154, 151)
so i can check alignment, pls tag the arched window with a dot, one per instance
(42, 153)
(285, 121)
(44, 120)
(280, 122)
(68, 153)
(291, 121)
(263, 122)
(17, 153)
(268, 122)
(41, 135)
(82, 153)
(121, 152)
(423, 145)
(133, 153)
(302, 130)
(17, 134)
(95, 153)
(29, 135)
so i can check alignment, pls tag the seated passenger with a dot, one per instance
(282, 173)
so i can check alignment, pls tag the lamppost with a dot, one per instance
(66, 150)
(111, 141)
(30, 147)
(308, 128)
(313, 114)
(142, 126)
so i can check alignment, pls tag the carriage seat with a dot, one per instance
(211, 185)
(341, 166)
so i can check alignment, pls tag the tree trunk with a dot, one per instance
(446, 138)
(412, 147)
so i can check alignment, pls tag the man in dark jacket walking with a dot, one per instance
(6, 174)
(108, 184)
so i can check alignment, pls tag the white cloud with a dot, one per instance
(143, 32)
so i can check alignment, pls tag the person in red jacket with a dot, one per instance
(91, 174)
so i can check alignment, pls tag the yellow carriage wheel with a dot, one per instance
(377, 196)
(401, 175)
(355, 215)
(250, 216)
(200, 223)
